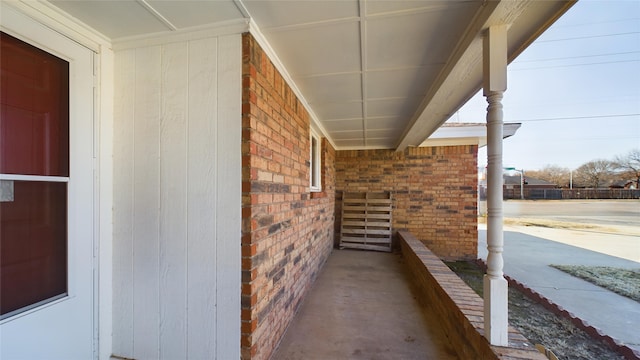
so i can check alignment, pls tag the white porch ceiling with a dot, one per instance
(375, 73)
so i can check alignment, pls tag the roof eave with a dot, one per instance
(462, 77)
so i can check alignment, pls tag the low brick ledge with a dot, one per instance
(459, 309)
(614, 344)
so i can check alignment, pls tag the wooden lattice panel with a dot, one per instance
(366, 221)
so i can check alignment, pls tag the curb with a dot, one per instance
(616, 345)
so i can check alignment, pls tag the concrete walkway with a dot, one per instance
(362, 307)
(527, 259)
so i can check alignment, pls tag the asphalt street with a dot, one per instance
(597, 212)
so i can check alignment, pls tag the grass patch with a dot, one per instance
(625, 282)
(470, 273)
(540, 325)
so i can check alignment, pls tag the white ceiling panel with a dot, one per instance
(114, 19)
(392, 133)
(399, 41)
(188, 13)
(322, 49)
(399, 83)
(339, 110)
(391, 122)
(396, 6)
(271, 14)
(343, 125)
(401, 107)
(346, 135)
(331, 88)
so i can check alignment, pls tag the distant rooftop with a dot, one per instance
(515, 180)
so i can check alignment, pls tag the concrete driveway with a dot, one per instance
(614, 240)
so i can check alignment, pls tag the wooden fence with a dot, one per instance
(563, 194)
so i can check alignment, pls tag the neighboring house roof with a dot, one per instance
(515, 180)
(466, 134)
(372, 74)
(621, 184)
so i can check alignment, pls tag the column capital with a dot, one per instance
(494, 59)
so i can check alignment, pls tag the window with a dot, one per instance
(34, 172)
(315, 180)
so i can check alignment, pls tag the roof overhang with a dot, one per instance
(372, 74)
(466, 134)
(462, 78)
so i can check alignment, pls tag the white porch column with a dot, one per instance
(495, 285)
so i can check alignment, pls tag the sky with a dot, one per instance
(576, 90)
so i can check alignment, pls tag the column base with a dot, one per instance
(496, 310)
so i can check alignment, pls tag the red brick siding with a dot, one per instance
(434, 191)
(459, 309)
(287, 231)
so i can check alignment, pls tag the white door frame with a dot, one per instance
(44, 15)
(36, 24)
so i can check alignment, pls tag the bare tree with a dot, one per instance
(553, 174)
(595, 172)
(629, 165)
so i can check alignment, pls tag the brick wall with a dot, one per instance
(434, 191)
(459, 308)
(287, 231)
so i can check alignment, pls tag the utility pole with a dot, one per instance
(571, 179)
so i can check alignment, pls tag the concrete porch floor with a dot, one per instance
(363, 306)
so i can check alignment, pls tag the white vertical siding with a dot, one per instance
(105, 169)
(173, 200)
(146, 203)
(202, 180)
(177, 186)
(123, 114)
(228, 185)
